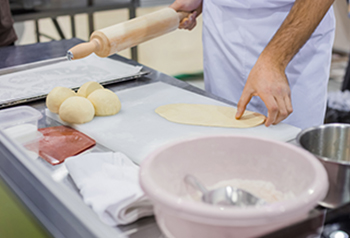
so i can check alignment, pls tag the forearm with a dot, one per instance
(296, 29)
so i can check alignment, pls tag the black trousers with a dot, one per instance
(346, 80)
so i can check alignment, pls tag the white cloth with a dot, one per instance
(235, 32)
(109, 183)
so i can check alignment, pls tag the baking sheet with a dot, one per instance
(34, 84)
(137, 130)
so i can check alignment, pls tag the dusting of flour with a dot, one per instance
(259, 188)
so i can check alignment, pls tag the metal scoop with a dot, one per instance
(225, 196)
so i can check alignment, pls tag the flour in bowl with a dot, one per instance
(262, 189)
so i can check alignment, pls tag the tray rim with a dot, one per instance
(42, 96)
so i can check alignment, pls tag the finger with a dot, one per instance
(188, 21)
(282, 111)
(193, 25)
(184, 24)
(272, 108)
(289, 106)
(188, 25)
(189, 17)
(286, 109)
(193, 21)
(242, 103)
(193, 15)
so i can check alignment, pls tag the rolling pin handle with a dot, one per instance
(84, 49)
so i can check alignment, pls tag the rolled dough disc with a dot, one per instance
(209, 115)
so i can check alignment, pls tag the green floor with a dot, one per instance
(15, 219)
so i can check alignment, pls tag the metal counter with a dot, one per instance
(52, 196)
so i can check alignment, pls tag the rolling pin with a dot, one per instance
(127, 34)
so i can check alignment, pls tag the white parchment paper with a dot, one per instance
(72, 74)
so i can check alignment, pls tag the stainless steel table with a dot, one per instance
(61, 216)
(53, 197)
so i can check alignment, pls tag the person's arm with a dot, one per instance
(267, 78)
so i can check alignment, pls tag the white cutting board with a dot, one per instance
(137, 130)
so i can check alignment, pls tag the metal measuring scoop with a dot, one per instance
(225, 196)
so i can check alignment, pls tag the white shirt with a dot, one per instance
(235, 32)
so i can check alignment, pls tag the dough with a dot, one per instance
(76, 110)
(56, 97)
(87, 88)
(105, 101)
(208, 115)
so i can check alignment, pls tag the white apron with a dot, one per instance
(235, 32)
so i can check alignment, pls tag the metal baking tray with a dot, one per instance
(42, 95)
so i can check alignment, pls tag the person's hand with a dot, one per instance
(269, 83)
(193, 6)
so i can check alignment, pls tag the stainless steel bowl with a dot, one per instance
(330, 143)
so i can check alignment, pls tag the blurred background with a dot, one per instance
(178, 53)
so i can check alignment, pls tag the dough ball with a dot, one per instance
(87, 88)
(76, 110)
(56, 97)
(105, 101)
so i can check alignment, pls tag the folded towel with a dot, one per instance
(109, 183)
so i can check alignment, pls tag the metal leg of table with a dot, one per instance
(58, 28)
(91, 23)
(72, 24)
(90, 3)
(132, 14)
(37, 33)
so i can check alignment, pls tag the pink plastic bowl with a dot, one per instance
(217, 158)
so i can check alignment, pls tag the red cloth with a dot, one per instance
(61, 142)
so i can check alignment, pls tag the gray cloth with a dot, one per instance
(7, 32)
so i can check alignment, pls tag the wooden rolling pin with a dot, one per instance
(127, 34)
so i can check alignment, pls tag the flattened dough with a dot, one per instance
(209, 115)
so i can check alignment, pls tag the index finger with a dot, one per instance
(242, 103)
